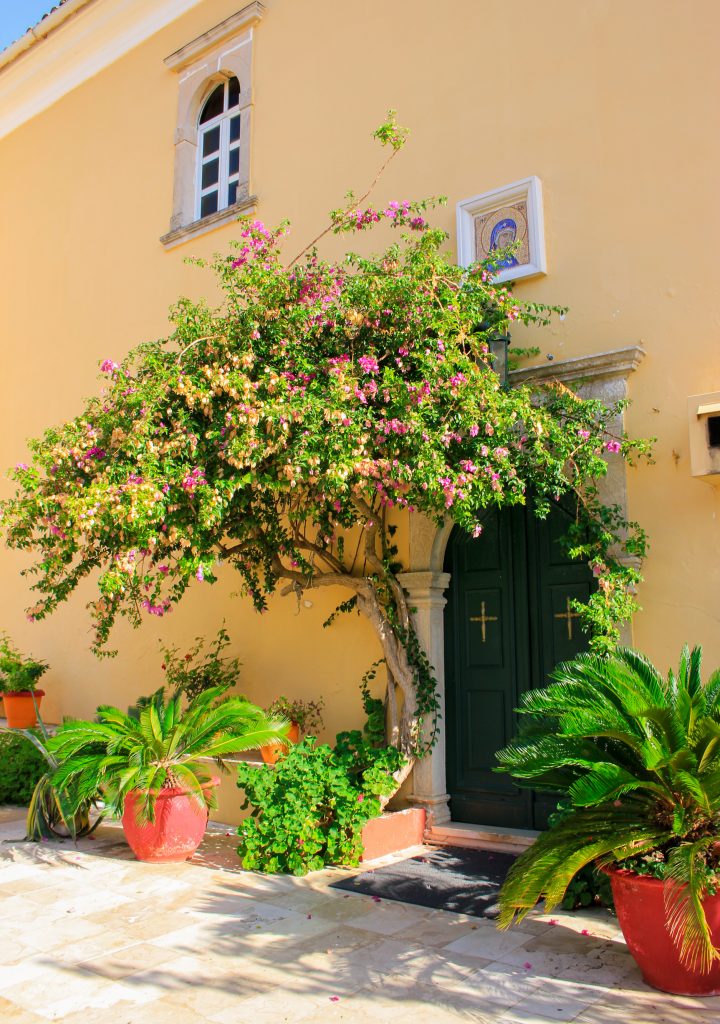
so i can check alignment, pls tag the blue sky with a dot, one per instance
(17, 16)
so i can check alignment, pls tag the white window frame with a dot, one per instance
(226, 147)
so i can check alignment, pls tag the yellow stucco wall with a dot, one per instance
(602, 101)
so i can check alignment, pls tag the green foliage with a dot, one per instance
(26, 770)
(638, 759)
(200, 669)
(309, 810)
(307, 713)
(518, 353)
(21, 767)
(374, 728)
(589, 886)
(17, 672)
(164, 747)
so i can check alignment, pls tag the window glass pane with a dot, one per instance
(234, 92)
(213, 105)
(210, 172)
(211, 141)
(234, 129)
(209, 204)
(232, 192)
(234, 161)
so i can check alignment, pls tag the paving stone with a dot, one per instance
(91, 936)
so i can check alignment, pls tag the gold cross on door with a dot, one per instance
(483, 619)
(569, 615)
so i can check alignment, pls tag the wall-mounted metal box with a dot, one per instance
(704, 424)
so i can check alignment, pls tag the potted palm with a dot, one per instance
(637, 757)
(303, 715)
(19, 677)
(152, 770)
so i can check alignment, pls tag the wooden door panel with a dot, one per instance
(509, 620)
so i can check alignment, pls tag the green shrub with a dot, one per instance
(21, 768)
(309, 810)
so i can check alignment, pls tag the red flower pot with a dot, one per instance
(274, 751)
(20, 709)
(178, 829)
(640, 906)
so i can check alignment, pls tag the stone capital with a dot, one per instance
(425, 583)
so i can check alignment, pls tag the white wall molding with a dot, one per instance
(232, 26)
(81, 40)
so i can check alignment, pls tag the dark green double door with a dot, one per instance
(508, 622)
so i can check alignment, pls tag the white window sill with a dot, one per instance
(215, 220)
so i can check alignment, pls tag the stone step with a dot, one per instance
(481, 837)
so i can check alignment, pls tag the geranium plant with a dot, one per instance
(18, 673)
(306, 713)
(201, 667)
(282, 432)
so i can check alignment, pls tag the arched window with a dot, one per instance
(219, 149)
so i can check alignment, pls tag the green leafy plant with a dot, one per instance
(166, 746)
(309, 810)
(26, 777)
(200, 668)
(18, 673)
(306, 713)
(589, 886)
(277, 430)
(638, 758)
(21, 767)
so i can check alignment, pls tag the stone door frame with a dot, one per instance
(604, 376)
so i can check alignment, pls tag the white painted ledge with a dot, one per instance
(216, 220)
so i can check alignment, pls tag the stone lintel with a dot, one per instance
(617, 362)
(245, 18)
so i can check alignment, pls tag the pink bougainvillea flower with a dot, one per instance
(612, 446)
(108, 366)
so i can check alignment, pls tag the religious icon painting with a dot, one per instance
(507, 221)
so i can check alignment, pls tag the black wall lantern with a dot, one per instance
(499, 345)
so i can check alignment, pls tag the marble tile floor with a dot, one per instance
(91, 936)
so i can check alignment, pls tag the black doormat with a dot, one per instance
(450, 878)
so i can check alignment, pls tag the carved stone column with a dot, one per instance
(426, 594)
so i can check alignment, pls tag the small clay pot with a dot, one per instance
(272, 752)
(20, 708)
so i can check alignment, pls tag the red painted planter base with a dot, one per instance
(392, 832)
(640, 907)
(178, 829)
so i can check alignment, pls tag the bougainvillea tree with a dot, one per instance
(276, 433)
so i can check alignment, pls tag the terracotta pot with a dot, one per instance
(274, 751)
(640, 906)
(20, 709)
(178, 829)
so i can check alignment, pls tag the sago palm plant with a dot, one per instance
(164, 747)
(638, 760)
